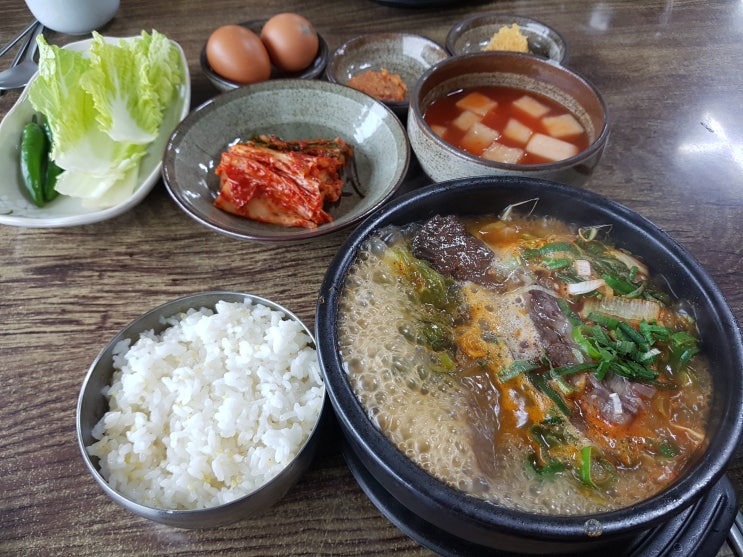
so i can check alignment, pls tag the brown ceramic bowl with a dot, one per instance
(442, 161)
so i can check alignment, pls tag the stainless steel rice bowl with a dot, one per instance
(92, 405)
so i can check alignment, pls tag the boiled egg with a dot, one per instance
(238, 54)
(291, 41)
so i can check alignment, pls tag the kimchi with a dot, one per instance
(282, 182)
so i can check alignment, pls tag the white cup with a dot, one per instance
(73, 17)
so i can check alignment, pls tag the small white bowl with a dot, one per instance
(74, 17)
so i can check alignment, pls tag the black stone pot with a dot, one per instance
(483, 524)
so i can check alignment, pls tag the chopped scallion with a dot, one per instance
(515, 369)
(540, 382)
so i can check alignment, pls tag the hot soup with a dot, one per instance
(525, 362)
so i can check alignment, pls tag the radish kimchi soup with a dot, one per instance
(525, 362)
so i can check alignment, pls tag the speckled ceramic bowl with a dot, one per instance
(405, 54)
(290, 109)
(442, 161)
(92, 405)
(313, 71)
(474, 33)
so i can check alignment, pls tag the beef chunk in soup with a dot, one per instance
(553, 328)
(450, 249)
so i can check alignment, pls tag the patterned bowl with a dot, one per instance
(472, 34)
(290, 109)
(404, 54)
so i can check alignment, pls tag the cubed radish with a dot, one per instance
(502, 153)
(478, 137)
(477, 103)
(550, 148)
(531, 106)
(516, 131)
(438, 130)
(564, 125)
(466, 120)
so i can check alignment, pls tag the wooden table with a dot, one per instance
(670, 73)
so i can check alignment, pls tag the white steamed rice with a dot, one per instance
(209, 410)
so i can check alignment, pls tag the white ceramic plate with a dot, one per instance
(16, 208)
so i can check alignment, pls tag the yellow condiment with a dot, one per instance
(508, 38)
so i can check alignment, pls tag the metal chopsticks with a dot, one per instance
(12, 43)
(735, 537)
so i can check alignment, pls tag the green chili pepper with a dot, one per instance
(52, 170)
(33, 159)
(50, 180)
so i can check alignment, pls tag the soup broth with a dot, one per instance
(507, 125)
(524, 362)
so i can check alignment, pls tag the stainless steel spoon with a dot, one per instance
(19, 75)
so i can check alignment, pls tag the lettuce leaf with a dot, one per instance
(104, 110)
(70, 111)
(132, 83)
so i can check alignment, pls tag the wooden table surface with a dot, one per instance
(670, 72)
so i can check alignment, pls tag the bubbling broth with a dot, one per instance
(524, 362)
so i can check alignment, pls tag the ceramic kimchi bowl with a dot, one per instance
(447, 520)
(290, 109)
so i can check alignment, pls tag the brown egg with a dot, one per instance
(291, 41)
(237, 54)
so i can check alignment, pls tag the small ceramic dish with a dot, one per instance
(312, 71)
(240, 496)
(474, 33)
(16, 208)
(404, 54)
(289, 109)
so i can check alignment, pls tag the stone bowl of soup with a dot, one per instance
(506, 113)
(524, 367)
